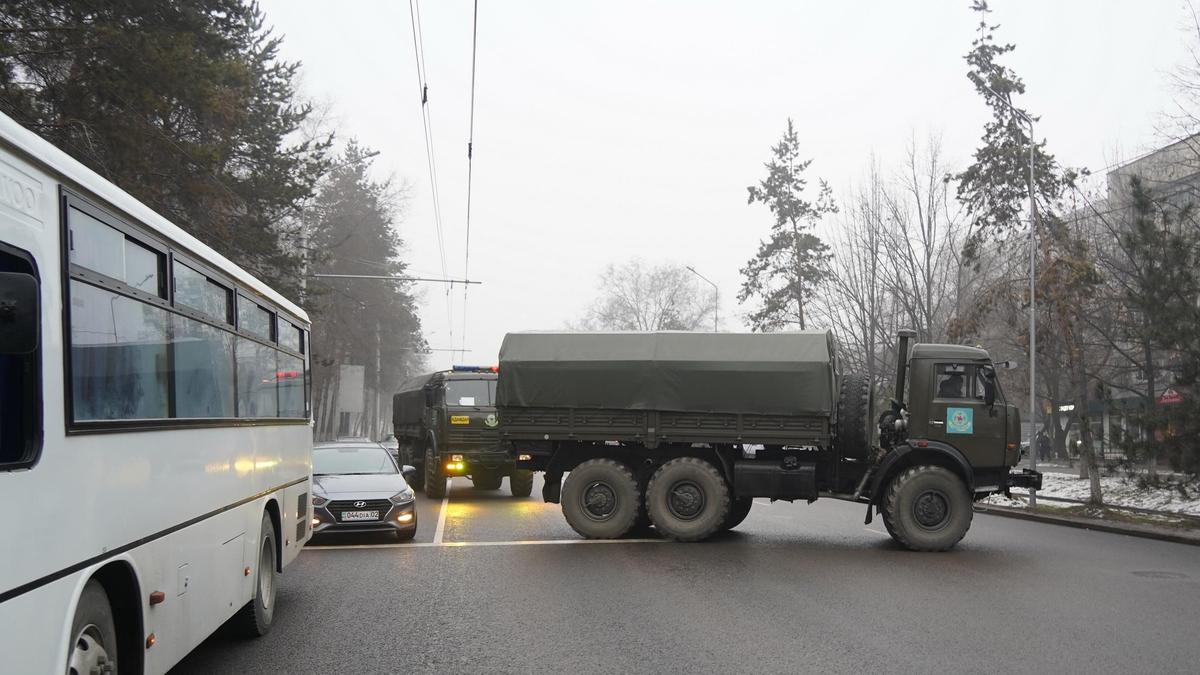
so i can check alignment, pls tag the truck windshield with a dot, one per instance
(470, 392)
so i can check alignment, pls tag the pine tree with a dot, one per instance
(790, 264)
(185, 104)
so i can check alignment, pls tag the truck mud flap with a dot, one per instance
(552, 488)
(1026, 478)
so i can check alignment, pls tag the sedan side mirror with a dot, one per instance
(409, 472)
(20, 331)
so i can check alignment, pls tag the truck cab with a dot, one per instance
(446, 425)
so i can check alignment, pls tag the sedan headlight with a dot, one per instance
(405, 495)
(318, 500)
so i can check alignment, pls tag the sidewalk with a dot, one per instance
(1188, 533)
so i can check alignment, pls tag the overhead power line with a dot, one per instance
(414, 12)
(470, 166)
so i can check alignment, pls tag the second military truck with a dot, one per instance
(445, 425)
(684, 430)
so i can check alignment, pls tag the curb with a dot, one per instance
(1145, 531)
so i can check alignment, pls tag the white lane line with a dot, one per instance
(437, 536)
(466, 544)
(873, 530)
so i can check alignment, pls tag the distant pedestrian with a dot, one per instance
(1043, 446)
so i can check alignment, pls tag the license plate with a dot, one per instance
(359, 515)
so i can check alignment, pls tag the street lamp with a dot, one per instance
(716, 295)
(1032, 292)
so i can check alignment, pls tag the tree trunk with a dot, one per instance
(1088, 467)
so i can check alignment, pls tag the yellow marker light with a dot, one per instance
(456, 458)
(454, 466)
(524, 458)
(404, 517)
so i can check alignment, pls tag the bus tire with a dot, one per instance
(927, 508)
(435, 482)
(255, 618)
(600, 499)
(93, 646)
(688, 499)
(520, 483)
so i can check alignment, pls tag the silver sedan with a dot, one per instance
(357, 487)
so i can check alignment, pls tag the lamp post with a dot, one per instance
(716, 295)
(1032, 291)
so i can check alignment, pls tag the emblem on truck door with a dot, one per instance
(960, 421)
(491, 420)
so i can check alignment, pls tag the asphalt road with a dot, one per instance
(795, 588)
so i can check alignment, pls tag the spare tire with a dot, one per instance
(855, 417)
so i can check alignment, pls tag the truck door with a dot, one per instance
(959, 415)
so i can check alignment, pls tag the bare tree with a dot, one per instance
(639, 297)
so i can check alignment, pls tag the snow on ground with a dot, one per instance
(1117, 491)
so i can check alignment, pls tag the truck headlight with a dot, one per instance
(456, 458)
(524, 458)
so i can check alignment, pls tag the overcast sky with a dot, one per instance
(608, 130)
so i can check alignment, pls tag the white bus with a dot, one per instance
(155, 443)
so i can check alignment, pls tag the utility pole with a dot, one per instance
(1033, 458)
(716, 295)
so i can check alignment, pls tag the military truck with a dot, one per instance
(683, 430)
(445, 425)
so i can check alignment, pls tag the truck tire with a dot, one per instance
(486, 480)
(600, 499)
(927, 508)
(739, 508)
(688, 499)
(435, 482)
(520, 483)
(410, 457)
(855, 417)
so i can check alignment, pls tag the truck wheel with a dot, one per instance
(93, 645)
(486, 480)
(855, 421)
(520, 483)
(417, 483)
(688, 499)
(927, 508)
(435, 482)
(739, 508)
(600, 499)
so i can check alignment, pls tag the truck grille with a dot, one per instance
(473, 437)
(380, 505)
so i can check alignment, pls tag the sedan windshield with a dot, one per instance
(354, 461)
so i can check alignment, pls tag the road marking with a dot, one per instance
(466, 544)
(873, 530)
(437, 536)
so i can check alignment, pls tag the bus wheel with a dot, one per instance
(254, 620)
(93, 647)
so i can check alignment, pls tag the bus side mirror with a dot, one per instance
(20, 325)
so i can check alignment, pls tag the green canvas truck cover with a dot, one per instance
(408, 405)
(766, 373)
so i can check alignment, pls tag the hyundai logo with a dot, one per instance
(359, 505)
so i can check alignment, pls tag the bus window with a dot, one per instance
(108, 251)
(254, 319)
(256, 379)
(20, 393)
(196, 291)
(118, 356)
(203, 380)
